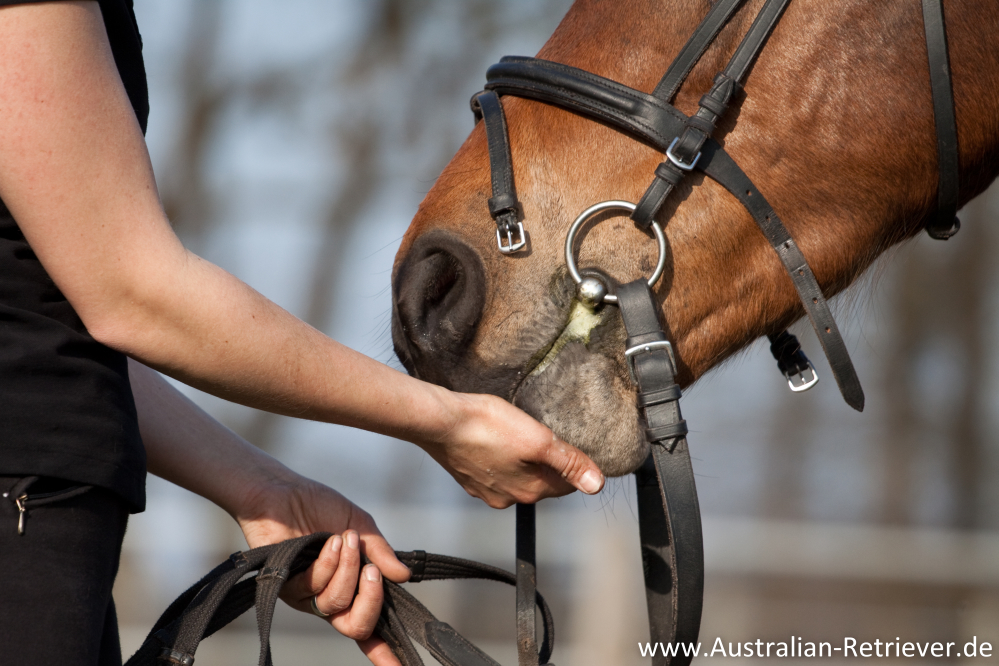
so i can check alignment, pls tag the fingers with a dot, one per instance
(573, 465)
(378, 652)
(298, 591)
(359, 620)
(338, 594)
(350, 595)
(382, 556)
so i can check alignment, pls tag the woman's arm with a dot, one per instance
(76, 176)
(271, 503)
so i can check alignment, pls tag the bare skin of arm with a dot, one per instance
(272, 503)
(77, 177)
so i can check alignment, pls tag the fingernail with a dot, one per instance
(336, 544)
(372, 573)
(352, 540)
(592, 482)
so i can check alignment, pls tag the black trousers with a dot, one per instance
(56, 578)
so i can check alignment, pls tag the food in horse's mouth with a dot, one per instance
(582, 320)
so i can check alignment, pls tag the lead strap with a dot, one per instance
(673, 558)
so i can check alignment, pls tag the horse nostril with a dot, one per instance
(444, 275)
(439, 292)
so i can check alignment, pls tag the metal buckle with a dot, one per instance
(677, 161)
(805, 383)
(632, 352)
(510, 245)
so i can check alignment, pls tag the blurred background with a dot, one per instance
(293, 142)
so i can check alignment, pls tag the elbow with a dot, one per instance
(124, 321)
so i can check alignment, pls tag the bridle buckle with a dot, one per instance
(801, 373)
(680, 164)
(648, 347)
(511, 246)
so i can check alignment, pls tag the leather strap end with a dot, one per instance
(476, 108)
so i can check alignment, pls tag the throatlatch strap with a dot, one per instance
(945, 223)
(668, 513)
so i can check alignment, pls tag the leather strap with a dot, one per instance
(727, 173)
(945, 223)
(637, 114)
(227, 592)
(695, 47)
(503, 206)
(668, 512)
(751, 45)
(687, 147)
(786, 350)
(527, 644)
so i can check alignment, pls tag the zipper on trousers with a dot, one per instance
(24, 502)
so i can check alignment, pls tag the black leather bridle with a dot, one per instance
(669, 517)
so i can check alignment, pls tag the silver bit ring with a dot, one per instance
(627, 206)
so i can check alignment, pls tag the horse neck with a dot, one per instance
(835, 128)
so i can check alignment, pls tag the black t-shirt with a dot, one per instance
(66, 407)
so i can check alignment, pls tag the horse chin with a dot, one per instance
(582, 397)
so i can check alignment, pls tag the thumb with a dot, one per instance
(574, 466)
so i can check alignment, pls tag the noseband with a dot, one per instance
(669, 517)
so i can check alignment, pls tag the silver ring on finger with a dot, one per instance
(315, 608)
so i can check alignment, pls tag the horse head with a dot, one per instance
(834, 125)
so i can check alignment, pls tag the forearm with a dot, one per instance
(208, 329)
(186, 446)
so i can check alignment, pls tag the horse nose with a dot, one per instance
(439, 293)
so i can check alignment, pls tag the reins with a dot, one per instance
(669, 516)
